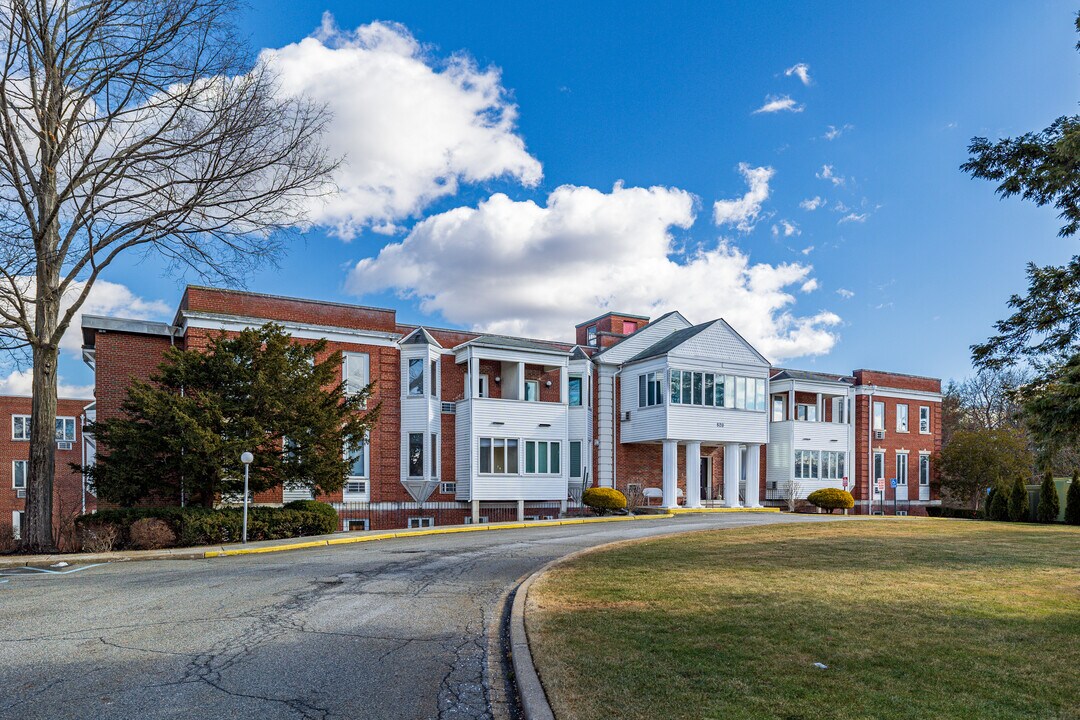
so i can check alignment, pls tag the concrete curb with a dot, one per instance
(201, 553)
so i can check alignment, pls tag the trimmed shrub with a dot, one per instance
(1018, 501)
(603, 499)
(98, 537)
(831, 499)
(1072, 501)
(317, 507)
(1048, 507)
(935, 512)
(999, 505)
(151, 534)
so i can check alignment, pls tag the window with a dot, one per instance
(20, 427)
(18, 474)
(357, 456)
(806, 412)
(687, 387)
(628, 327)
(17, 523)
(449, 488)
(729, 391)
(354, 372)
(924, 469)
(434, 377)
(759, 394)
(924, 419)
(591, 336)
(479, 521)
(740, 392)
(901, 418)
(573, 386)
(901, 468)
(499, 456)
(575, 458)
(532, 390)
(434, 456)
(484, 386)
(778, 409)
(65, 429)
(649, 391)
(698, 396)
(542, 457)
(421, 522)
(879, 469)
(879, 416)
(711, 390)
(676, 387)
(449, 408)
(819, 464)
(416, 454)
(416, 376)
(357, 525)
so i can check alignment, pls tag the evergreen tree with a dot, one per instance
(1018, 501)
(183, 432)
(999, 504)
(1072, 501)
(1048, 508)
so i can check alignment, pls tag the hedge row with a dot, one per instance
(205, 526)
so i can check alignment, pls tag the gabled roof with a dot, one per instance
(670, 342)
(419, 336)
(787, 374)
(644, 328)
(578, 353)
(505, 341)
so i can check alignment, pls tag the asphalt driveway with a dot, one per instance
(398, 629)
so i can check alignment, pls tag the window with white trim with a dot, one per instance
(542, 457)
(901, 468)
(20, 427)
(434, 367)
(357, 525)
(819, 464)
(590, 336)
(17, 517)
(879, 416)
(18, 474)
(65, 429)
(574, 388)
(879, 470)
(924, 419)
(778, 408)
(356, 483)
(434, 456)
(498, 456)
(421, 522)
(689, 387)
(416, 377)
(901, 418)
(924, 469)
(448, 488)
(532, 390)
(354, 371)
(416, 455)
(650, 392)
(806, 412)
(575, 458)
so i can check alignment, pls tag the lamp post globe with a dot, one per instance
(247, 458)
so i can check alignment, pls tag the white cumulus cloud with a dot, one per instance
(812, 204)
(743, 212)
(801, 71)
(410, 126)
(785, 228)
(779, 103)
(845, 293)
(519, 267)
(21, 382)
(828, 173)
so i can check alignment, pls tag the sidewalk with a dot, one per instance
(343, 538)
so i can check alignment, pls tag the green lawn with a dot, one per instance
(915, 619)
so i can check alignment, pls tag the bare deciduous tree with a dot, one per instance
(792, 492)
(130, 125)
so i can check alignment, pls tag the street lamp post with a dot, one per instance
(246, 458)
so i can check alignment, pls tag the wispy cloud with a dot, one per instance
(845, 293)
(832, 131)
(779, 103)
(853, 217)
(743, 212)
(828, 173)
(812, 204)
(785, 228)
(809, 286)
(807, 250)
(801, 71)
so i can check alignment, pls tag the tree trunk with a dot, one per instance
(37, 534)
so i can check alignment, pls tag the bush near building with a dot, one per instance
(1018, 501)
(193, 526)
(831, 499)
(1048, 508)
(1072, 501)
(603, 500)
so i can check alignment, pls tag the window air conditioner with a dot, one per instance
(626, 416)
(63, 445)
(879, 434)
(20, 493)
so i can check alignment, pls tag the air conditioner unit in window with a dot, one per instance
(772, 484)
(626, 416)
(879, 434)
(20, 493)
(63, 445)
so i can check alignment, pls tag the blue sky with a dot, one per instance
(663, 96)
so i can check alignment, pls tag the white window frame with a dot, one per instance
(16, 523)
(778, 404)
(347, 360)
(591, 335)
(736, 392)
(902, 478)
(436, 454)
(536, 393)
(650, 382)
(879, 455)
(448, 488)
(902, 417)
(581, 460)
(348, 495)
(347, 524)
(491, 455)
(536, 455)
(581, 390)
(879, 417)
(433, 381)
(416, 523)
(485, 386)
(26, 427)
(806, 412)
(924, 419)
(924, 463)
(410, 391)
(408, 453)
(14, 473)
(68, 421)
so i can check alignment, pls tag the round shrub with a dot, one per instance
(319, 508)
(831, 499)
(151, 534)
(603, 499)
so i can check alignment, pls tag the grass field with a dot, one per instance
(914, 618)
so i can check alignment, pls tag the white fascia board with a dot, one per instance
(553, 358)
(921, 395)
(814, 386)
(307, 331)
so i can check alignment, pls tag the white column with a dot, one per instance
(791, 403)
(521, 510)
(731, 474)
(520, 389)
(671, 473)
(820, 409)
(475, 511)
(564, 385)
(474, 376)
(693, 474)
(753, 475)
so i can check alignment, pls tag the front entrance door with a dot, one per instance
(706, 478)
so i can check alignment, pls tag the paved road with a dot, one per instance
(399, 629)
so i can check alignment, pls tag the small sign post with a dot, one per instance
(892, 484)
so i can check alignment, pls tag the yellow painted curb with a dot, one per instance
(687, 511)
(430, 531)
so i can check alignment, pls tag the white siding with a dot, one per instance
(605, 411)
(720, 342)
(718, 425)
(463, 448)
(648, 423)
(778, 459)
(643, 339)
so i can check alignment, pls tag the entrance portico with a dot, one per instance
(736, 466)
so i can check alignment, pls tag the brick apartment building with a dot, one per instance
(70, 497)
(471, 422)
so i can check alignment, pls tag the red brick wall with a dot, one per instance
(270, 307)
(67, 483)
(609, 329)
(119, 358)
